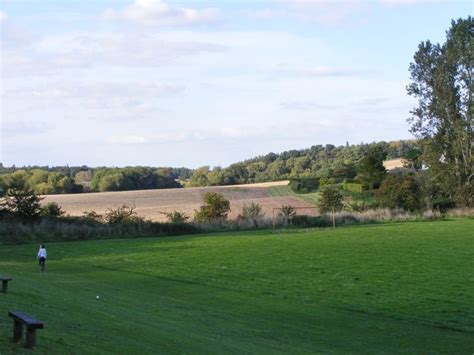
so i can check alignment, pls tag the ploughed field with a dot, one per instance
(392, 288)
(149, 203)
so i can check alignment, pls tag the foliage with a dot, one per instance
(22, 203)
(326, 181)
(199, 177)
(316, 162)
(371, 170)
(304, 185)
(176, 216)
(216, 208)
(400, 191)
(441, 80)
(132, 178)
(122, 215)
(53, 180)
(39, 181)
(331, 199)
(287, 211)
(413, 158)
(252, 212)
(465, 196)
(443, 204)
(352, 187)
(92, 216)
(52, 209)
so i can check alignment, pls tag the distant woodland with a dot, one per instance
(327, 162)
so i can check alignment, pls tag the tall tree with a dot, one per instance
(371, 170)
(442, 81)
(331, 200)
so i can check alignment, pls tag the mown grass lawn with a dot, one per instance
(282, 191)
(391, 288)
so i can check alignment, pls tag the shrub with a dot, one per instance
(252, 212)
(304, 185)
(326, 181)
(122, 215)
(443, 204)
(176, 216)
(22, 203)
(287, 211)
(465, 196)
(331, 199)
(216, 208)
(398, 191)
(352, 187)
(52, 209)
(92, 216)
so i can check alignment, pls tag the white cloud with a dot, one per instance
(14, 128)
(102, 101)
(329, 12)
(156, 12)
(3, 17)
(393, 3)
(131, 139)
(318, 71)
(87, 50)
(324, 12)
(307, 105)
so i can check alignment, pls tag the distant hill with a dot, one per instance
(327, 162)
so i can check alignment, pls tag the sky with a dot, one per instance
(194, 83)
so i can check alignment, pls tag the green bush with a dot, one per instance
(176, 216)
(399, 191)
(352, 187)
(77, 228)
(252, 212)
(52, 209)
(304, 185)
(443, 204)
(22, 203)
(331, 199)
(326, 181)
(216, 208)
(122, 215)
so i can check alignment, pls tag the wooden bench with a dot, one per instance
(5, 283)
(20, 319)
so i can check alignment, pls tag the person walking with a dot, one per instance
(42, 254)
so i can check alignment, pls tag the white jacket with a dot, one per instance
(42, 253)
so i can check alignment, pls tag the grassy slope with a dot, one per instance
(281, 191)
(404, 287)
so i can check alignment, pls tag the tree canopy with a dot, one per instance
(442, 81)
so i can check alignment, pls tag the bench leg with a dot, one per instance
(17, 331)
(30, 338)
(4, 286)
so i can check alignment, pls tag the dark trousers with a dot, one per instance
(42, 261)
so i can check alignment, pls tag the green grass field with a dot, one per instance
(282, 191)
(391, 288)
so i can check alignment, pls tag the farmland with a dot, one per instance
(393, 288)
(149, 203)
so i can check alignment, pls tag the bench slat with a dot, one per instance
(3, 278)
(26, 319)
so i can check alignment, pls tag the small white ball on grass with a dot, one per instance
(97, 297)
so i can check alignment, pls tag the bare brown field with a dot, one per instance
(393, 164)
(149, 203)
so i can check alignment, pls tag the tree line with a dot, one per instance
(318, 161)
(57, 180)
(322, 162)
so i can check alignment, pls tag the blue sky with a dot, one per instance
(192, 83)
